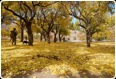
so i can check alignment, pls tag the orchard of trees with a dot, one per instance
(53, 21)
(93, 17)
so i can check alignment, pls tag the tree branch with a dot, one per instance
(78, 18)
(27, 7)
(33, 11)
(43, 29)
(82, 26)
(14, 13)
(16, 24)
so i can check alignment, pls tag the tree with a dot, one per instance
(49, 17)
(110, 20)
(63, 31)
(24, 9)
(107, 31)
(110, 33)
(28, 11)
(39, 30)
(61, 27)
(55, 31)
(86, 11)
(6, 17)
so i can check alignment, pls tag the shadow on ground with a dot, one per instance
(42, 74)
(64, 54)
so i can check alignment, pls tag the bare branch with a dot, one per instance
(82, 26)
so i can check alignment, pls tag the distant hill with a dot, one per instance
(6, 26)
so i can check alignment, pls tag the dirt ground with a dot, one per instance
(42, 74)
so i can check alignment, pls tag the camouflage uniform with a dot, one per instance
(13, 36)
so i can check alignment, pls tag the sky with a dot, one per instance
(74, 20)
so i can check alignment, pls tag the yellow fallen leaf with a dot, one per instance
(28, 74)
(84, 73)
(99, 77)
(85, 76)
(34, 76)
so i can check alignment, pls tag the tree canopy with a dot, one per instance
(44, 15)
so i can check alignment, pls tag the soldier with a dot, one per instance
(13, 36)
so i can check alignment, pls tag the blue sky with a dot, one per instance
(74, 20)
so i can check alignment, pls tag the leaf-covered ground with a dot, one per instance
(67, 60)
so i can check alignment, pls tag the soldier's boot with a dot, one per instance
(15, 43)
(12, 41)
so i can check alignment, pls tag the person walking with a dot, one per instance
(13, 36)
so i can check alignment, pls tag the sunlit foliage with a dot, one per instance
(4, 32)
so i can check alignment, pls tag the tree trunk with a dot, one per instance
(45, 37)
(30, 34)
(48, 38)
(41, 37)
(88, 36)
(22, 31)
(91, 38)
(63, 39)
(59, 37)
(55, 38)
